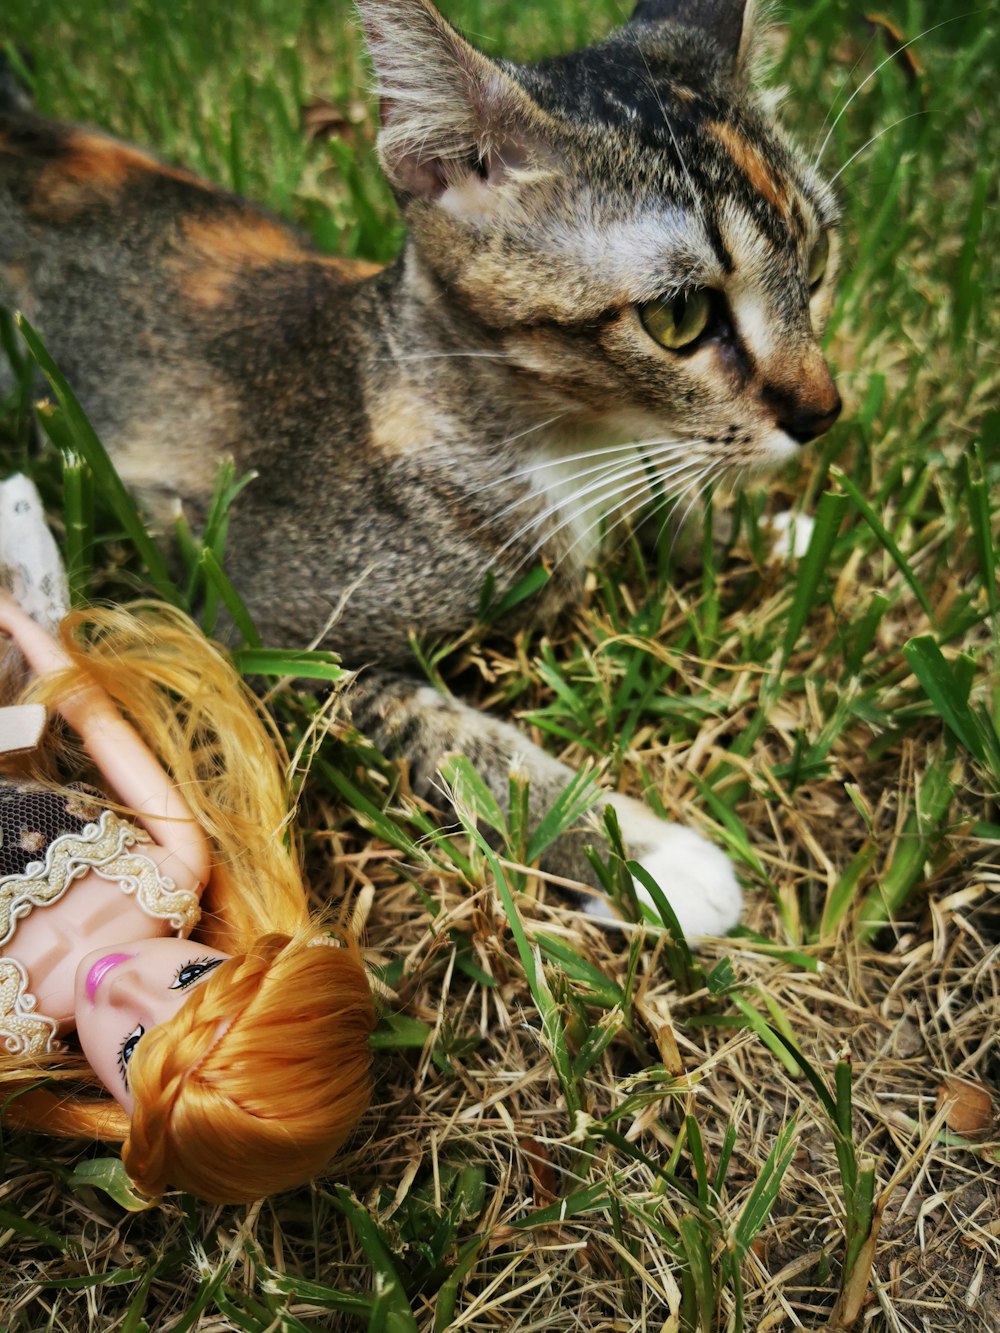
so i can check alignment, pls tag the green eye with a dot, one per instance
(818, 261)
(677, 323)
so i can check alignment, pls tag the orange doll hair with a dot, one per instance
(262, 1074)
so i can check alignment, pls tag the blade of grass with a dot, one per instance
(887, 540)
(78, 521)
(289, 663)
(921, 831)
(218, 581)
(106, 479)
(766, 1189)
(388, 1285)
(812, 568)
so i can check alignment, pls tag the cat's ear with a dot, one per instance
(729, 23)
(448, 112)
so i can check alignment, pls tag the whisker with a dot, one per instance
(844, 82)
(650, 454)
(711, 478)
(529, 430)
(636, 489)
(620, 472)
(447, 356)
(617, 472)
(631, 446)
(528, 496)
(626, 516)
(632, 505)
(603, 471)
(695, 197)
(881, 65)
(875, 137)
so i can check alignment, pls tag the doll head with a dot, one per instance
(259, 1077)
(122, 992)
(253, 1084)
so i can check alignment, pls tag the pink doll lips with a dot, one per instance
(100, 970)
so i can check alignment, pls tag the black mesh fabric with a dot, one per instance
(32, 816)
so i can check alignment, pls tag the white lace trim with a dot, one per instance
(105, 847)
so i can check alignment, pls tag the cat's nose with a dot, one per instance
(804, 399)
(807, 422)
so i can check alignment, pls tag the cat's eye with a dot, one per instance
(678, 323)
(818, 260)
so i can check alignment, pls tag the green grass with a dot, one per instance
(571, 1130)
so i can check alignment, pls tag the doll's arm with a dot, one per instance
(128, 765)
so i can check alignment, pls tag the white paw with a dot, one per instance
(792, 534)
(697, 879)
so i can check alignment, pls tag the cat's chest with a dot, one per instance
(564, 511)
(579, 487)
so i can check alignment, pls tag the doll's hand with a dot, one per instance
(42, 652)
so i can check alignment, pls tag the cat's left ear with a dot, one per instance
(728, 23)
(454, 122)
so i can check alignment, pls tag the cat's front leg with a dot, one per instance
(409, 720)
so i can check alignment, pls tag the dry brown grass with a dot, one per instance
(470, 1135)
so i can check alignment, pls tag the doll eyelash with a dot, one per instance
(123, 1059)
(204, 965)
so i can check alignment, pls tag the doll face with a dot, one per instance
(123, 991)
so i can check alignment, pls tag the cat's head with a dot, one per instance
(626, 224)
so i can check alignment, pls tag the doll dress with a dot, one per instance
(49, 838)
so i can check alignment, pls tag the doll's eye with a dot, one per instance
(191, 972)
(126, 1051)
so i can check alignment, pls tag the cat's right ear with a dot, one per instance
(453, 121)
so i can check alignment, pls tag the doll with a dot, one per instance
(237, 1060)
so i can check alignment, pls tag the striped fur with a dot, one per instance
(484, 401)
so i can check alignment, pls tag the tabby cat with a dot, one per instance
(616, 262)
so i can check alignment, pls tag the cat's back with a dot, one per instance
(199, 296)
(192, 325)
(68, 182)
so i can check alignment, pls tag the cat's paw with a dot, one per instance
(791, 534)
(697, 879)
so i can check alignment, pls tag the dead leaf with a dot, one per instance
(895, 42)
(971, 1112)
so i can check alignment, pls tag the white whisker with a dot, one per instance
(633, 504)
(620, 472)
(634, 488)
(602, 471)
(881, 65)
(844, 82)
(875, 137)
(560, 461)
(617, 473)
(649, 454)
(528, 496)
(627, 515)
(447, 356)
(692, 501)
(695, 197)
(520, 435)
